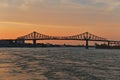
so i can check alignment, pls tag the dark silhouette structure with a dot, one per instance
(34, 36)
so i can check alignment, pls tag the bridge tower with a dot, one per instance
(34, 40)
(87, 39)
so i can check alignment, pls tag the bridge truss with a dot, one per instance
(34, 36)
(83, 36)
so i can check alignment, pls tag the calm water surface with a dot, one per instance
(59, 64)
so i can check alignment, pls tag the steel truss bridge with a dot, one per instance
(34, 36)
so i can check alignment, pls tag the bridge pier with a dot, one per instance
(108, 43)
(87, 43)
(34, 42)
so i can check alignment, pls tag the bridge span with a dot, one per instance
(34, 36)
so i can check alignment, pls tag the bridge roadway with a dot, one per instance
(34, 36)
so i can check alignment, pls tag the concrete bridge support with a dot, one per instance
(108, 43)
(34, 42)
(87, 43)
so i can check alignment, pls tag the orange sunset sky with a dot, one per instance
(60, 17)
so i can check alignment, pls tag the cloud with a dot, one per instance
(60, 11)
(109, 5)
(17, 23)
(106, 5)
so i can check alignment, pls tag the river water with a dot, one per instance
(59, 64)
